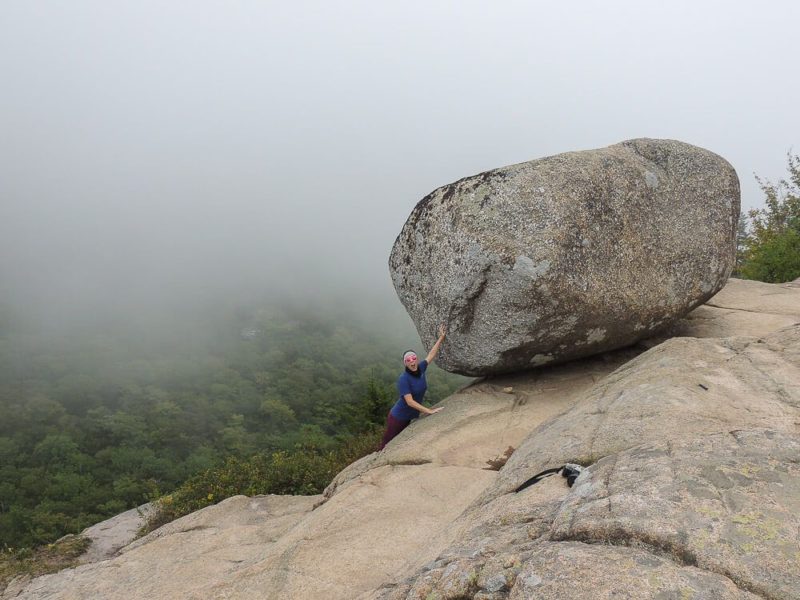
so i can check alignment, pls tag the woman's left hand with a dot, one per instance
(441, 330)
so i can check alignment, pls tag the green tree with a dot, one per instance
(56, 452)
(376, 402)
(234, 437)
(276, 415)
(776, 259)
(772, 251)
(742, 241)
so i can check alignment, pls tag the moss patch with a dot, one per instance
(51, 558)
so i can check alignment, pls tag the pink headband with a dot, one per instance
(409, 357)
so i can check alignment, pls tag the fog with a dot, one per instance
(173, 154)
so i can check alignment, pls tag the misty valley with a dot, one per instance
(272, 398)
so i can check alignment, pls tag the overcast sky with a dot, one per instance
(162, 150)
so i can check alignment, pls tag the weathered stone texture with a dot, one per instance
(567, 256)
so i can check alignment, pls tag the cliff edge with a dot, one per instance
(691, 449)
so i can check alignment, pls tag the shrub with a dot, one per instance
(302, 471)
(771, 249)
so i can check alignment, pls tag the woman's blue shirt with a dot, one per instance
(408, 384)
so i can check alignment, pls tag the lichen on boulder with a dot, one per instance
(567, 256)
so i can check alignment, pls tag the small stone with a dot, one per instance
(495, 583)
(531, 581)
(458, 580)
(511, 562)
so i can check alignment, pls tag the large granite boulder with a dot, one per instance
(567, 256)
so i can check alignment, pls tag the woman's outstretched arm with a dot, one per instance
(435, 350)
(417, 406)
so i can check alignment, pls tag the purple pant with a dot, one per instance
(393, 427)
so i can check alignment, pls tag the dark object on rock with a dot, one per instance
(498, 462)
(569, 470)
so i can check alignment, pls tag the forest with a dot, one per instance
(94, 422)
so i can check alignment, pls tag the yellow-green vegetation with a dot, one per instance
(769, 245)
(305, 471)
(709, 512)
(654, 579)
(757, 526)
(704, 538)
(41, 561)
(687, 593)
(749, 470)
(472, 579)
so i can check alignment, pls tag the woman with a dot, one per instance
(411, 386)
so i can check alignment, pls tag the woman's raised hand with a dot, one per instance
(435, 350)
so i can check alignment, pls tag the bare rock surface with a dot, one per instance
(694, 452)
(684, 387)
(742, 308)
(180, 559)
(109, 536)
(728, 503)
(711, 517)
(672, 505)
(393, 522)
(567, 256)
